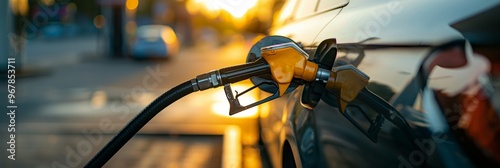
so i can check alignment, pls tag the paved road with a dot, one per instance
(66, 114)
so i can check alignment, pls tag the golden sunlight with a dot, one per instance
(221, 106)
(237, 8)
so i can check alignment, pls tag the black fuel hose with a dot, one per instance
(138, 122)
(201, 82)
(389, 112)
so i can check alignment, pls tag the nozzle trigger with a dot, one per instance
(234, 103)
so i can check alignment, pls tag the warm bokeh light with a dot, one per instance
(264, 110)
(145, 98)
(71, 10)
(132, 4)
(168, 35)
(231, 148)
(71, 7)
(47, 2)
(99, 21)
(237, 8)
(99, 99)
(130, 27)
(221, 105)
(285, 12)
(20, 7)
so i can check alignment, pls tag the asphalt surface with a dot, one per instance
(72, 99)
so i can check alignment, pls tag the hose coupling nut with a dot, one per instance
(206, 81)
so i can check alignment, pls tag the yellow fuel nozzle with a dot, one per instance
(347, 81)
(288, 61)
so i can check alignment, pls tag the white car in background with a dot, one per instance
(154, 41)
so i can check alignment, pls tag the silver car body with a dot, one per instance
(417, 24)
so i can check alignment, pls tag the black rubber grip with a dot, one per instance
(389, 112)
(245, 71)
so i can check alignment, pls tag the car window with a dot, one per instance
(305, 8)
(149, 31)
(329, 4)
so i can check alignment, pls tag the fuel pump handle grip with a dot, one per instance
(230, 74)
(241, 72)
(282, 61)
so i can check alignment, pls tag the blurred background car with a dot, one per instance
(435, 62)
(53, 30)
(157, 41)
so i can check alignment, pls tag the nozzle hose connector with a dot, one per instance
(323, 75)
(206, 81)
(231, 74)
